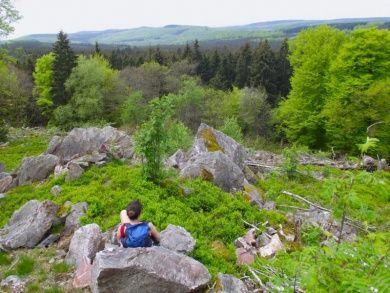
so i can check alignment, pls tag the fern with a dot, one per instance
(371, 143)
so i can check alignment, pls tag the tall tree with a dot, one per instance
(97, 48)
(43, 80)
(264, 70)
(8, 15)
(158, 56)
(187, 53)
(359, 90)
(63, 64)
(283, 70)
(243, 66)
(300, 114)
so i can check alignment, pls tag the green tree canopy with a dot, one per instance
(43, 81)
(8, 15)
(300, 114)
(96, 92)
(359, 89)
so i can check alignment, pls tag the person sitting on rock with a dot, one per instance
(133, 232)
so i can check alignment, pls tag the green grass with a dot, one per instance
(25, 265)
(208, 213)
(13, 154)
(5, 260)
(61, 267)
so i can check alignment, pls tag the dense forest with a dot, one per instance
(338, 98)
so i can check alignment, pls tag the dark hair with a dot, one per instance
(134, 209)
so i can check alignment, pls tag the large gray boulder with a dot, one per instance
(83, 141)
(229, 284)
(36, 168)
(177, 160)
(72, 222)
(369, 164)
(29, 224)
(177, 238)
(215, 167)
(86, 241)
(147, 270)
(209, 139)
(5, 182)
(74, 172)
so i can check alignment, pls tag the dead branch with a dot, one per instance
(350, 221)
(292, 207)
(256, 278)
(249, 224)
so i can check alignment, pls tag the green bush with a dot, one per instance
(5, 259)
(232, 129)
(290, 162)
(25, 265)
(179, 136)
(61, 267)
(151, 138)
(212, 216)
(134, 110)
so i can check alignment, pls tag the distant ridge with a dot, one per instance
(174, 34)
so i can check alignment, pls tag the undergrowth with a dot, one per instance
(214, 218)
(208, 213)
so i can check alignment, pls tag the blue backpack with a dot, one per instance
(137, 235)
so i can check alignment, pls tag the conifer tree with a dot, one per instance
(243, 66)
(97, 48)
(284, 70)
(158, 56)
(63, 64)
(264, 70)
(187, 54)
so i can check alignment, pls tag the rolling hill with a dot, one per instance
(181, 34)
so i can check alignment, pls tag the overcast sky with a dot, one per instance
(50, 16)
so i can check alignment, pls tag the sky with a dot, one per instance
(50, 16)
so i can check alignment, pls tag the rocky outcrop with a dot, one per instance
(84, 141)
(82, 276)
(215, 167)
(14, 284)
(369, 164)
(266, 245)
(177, 160)
(215, 157)
(55, 190)
(36, 168)
(74, 172)
(86, 241)
(252, 193)
(177, 238)
(229, 284)
(5, 182)
(209, 139)
(323, 219)
(147, 270)
(29, 225)
(72, 222)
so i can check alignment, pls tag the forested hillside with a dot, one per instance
(210, 36)
(265, 165)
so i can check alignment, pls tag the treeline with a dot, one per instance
(338, 98)
(67, 89)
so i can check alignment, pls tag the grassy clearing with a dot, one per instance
(209, 214)
(23, 143)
